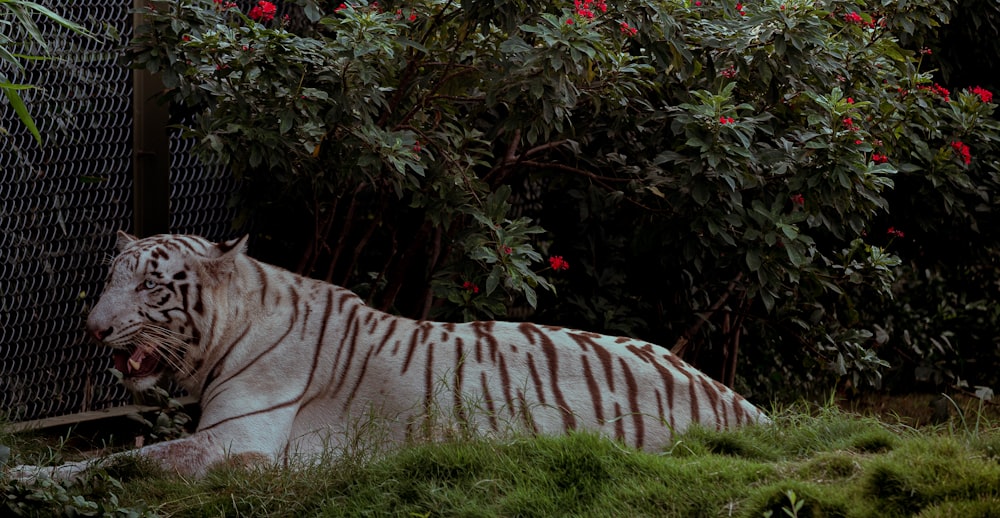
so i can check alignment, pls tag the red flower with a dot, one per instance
(726, 120)
(962, 150)
(585, 8)
(470, 286)
(942, 91)
(938, 89)
(508, 250)
(893, 232)
(558, 263)
(879, 159)
(854, 17)
(628, 30)
(984, 94)
(798, 199)
(416, 147)
(264, 11)
(340, 7)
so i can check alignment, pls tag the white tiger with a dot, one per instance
(284, 366)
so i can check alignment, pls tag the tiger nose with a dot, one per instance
(100, 334)
(100, 323)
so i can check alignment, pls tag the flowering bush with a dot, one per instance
(717, 173)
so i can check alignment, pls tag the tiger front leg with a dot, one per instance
(189, 456)
(64, 473)
(251, 440)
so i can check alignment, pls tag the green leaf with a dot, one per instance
(10, 58)
(287, 119)
(768, 299)
(753, 259)
(531, 296)
(52, 15)
(10, 91)
(788, 230)
(701, 193)
(515, 45)
(414, 45)
(795, 255)
(494, 279)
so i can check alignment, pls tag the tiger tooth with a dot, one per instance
(135, 361)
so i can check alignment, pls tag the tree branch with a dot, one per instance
(680, 346)
(344, 232)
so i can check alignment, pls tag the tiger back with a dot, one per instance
(286, 367)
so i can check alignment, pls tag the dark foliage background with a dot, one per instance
(774, 188)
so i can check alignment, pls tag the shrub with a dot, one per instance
(708, 170)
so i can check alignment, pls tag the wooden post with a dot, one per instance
(93, 415)
(151, 151)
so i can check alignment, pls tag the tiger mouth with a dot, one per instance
(139, 363)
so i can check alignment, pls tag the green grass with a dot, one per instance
(830, 464)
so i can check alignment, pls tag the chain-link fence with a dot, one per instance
(61, 205)
(199, 195)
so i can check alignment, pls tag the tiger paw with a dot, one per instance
(33, 475)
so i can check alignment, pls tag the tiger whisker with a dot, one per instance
(164, 332)
(168, 344)
(174, 358)
(171, 340)
(164, 350)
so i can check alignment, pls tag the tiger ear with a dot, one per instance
(232, 247)
(124, 239)
(226, 254)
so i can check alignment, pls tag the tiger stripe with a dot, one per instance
(283, 365)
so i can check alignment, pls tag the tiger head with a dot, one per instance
(154, 305)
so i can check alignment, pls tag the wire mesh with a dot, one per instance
(200, 194)
(61, 205)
